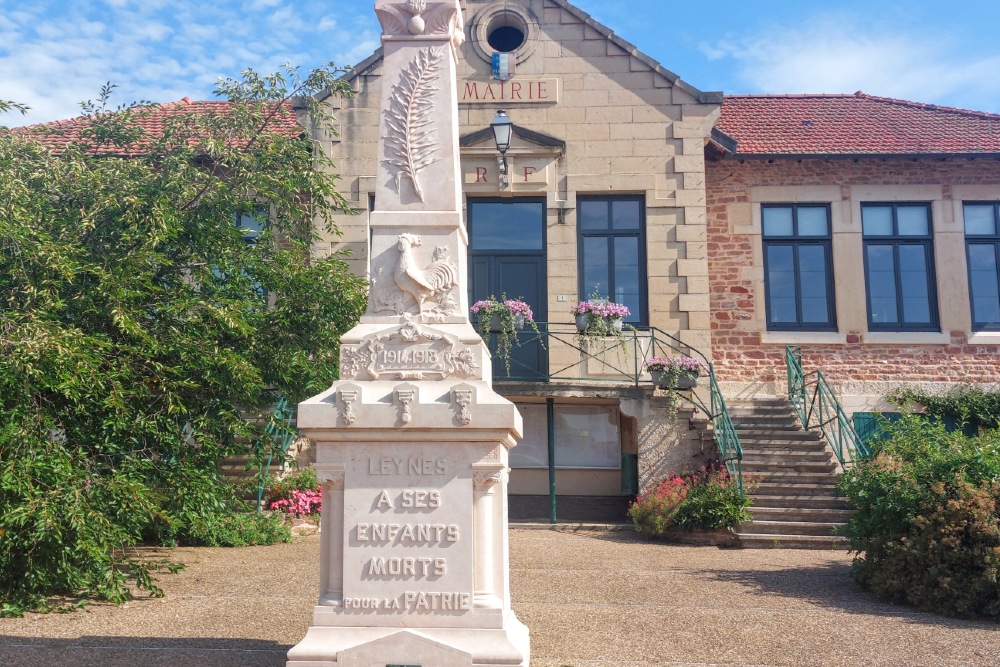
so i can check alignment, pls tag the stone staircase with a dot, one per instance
(793, 479)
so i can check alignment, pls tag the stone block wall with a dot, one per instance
(628, 128)
(865, 365)
(666, 444)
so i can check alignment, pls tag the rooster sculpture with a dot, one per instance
(427, 284)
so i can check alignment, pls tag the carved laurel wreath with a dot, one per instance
(410, 139)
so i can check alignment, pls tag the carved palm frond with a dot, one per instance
(410, 139)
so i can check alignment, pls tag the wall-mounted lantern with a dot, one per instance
(502, 130)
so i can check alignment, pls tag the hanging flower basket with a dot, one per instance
(668, 380)
(496, 322)
(599, 317)
(675, 372)
(503, 318)
(673, 375)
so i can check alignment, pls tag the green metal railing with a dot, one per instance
(274, 441)
(568, 357)
(724, 432)
(817, 407)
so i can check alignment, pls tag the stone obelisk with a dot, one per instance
(412, 444)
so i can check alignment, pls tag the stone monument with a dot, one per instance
(412, 444)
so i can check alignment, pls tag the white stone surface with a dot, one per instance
(412, 444)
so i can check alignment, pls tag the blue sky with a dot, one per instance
(55, 53)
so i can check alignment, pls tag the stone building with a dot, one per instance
(903, 258)
(865, 230)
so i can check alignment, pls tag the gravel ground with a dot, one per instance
(589, 598)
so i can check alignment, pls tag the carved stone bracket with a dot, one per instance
(485, 480)
(409, 352)
(347, 397)
(463, 397)
(331, 477)
(404, 396)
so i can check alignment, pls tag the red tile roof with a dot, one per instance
(59, 134)
(857, 124)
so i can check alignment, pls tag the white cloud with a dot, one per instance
(837, 54)
(152, 31)
(54, 54)
(257, 5)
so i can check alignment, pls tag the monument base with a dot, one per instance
(413, 647)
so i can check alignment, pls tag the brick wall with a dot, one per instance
(749, 359)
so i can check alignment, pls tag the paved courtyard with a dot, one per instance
(589, 598)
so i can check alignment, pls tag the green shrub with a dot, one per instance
(927, 523)
(301, 479)
(240, 529)
(700, 500)
(65, 531)
(967, 404)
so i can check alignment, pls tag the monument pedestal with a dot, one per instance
(414, 525)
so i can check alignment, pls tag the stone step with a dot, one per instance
(798, 463)
(791, 477)
(816, 514)
(234, 468)
(763, 424)
(790, 489)
(797, 501)
(771, 434)
(767, 527)
(783, 411)
(762, 401)
(764, 541)
(784, 447)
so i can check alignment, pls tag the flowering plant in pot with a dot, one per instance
(503, 317)
(675, 372)
(598, 316)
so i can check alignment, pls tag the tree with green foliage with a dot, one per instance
(157, 294)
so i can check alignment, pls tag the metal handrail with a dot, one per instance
(818, 407)
(276, 437)
(622, 357)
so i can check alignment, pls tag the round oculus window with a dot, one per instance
(506, 39)
(506, 32)
(504, 26)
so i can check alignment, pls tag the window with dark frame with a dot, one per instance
(982, 247)
(252, 226)
(612, 251)
(798, 267)
(899, 267)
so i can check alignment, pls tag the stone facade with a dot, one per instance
(626, 128)
(864, 365)
(593, 117)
